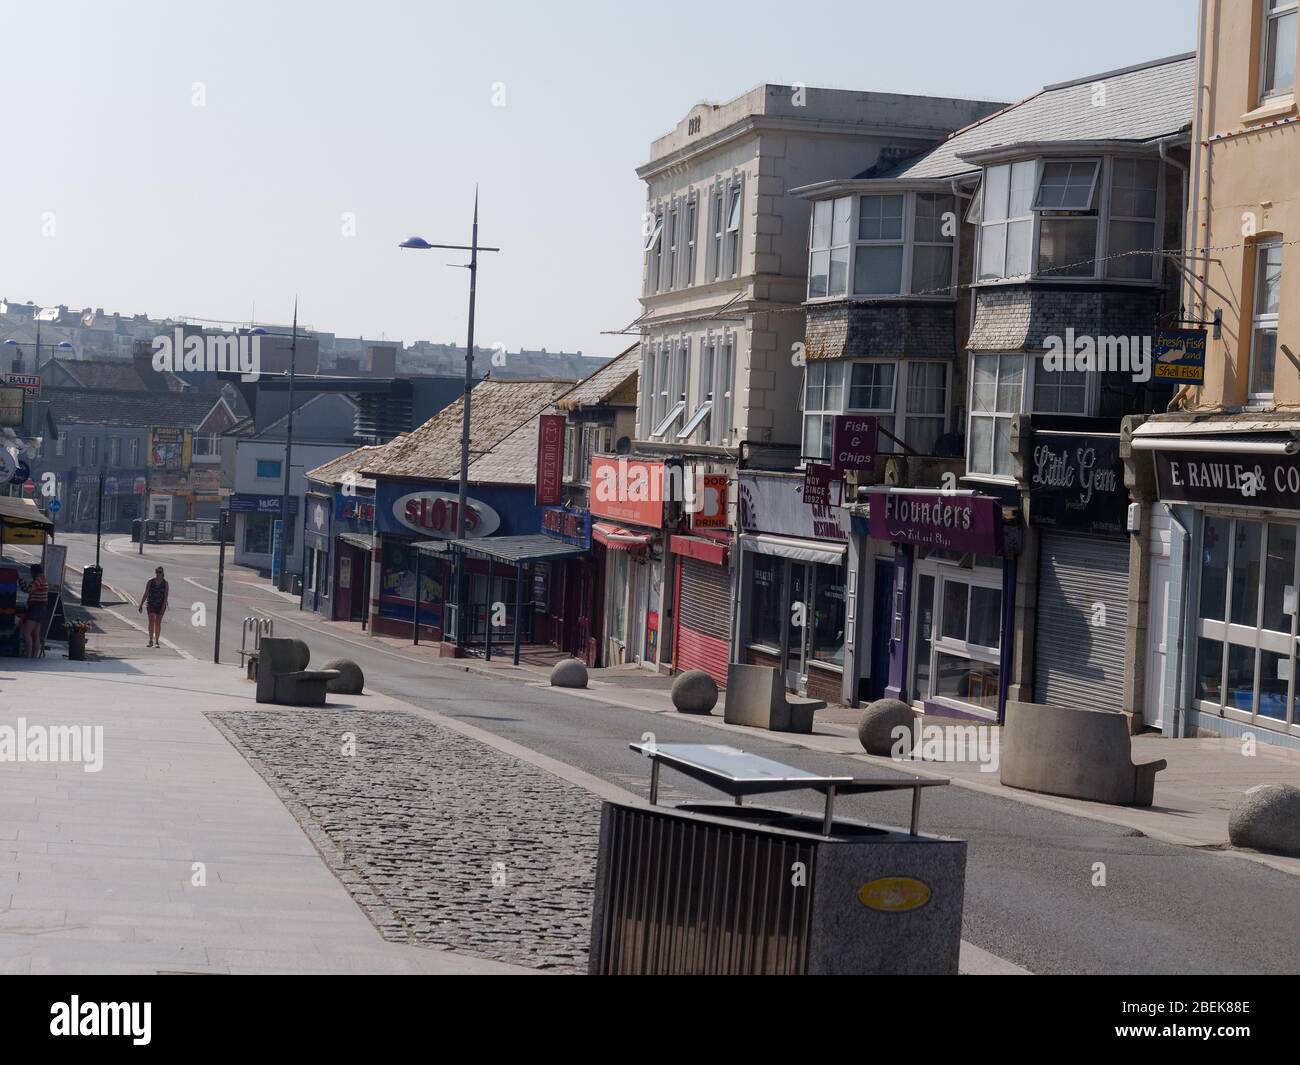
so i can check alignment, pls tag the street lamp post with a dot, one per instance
(462, 493)
(62, 345)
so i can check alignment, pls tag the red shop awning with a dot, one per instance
(620, 539)
(706, 550)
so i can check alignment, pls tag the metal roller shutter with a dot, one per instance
(703, 618)
(1082, 616)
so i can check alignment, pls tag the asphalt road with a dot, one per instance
(1030, 894)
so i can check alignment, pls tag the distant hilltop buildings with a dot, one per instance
(93, 334)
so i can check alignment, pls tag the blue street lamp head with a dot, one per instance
(12, 341)
(64, 344)
(257, 331)
(418, 243)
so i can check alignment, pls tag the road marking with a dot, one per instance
(974, 961)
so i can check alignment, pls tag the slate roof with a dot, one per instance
(596, 388)
(432, 452)
(334, 471)
(1142, 103)
(121, 375)
(139, 410)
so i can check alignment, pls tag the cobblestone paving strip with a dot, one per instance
(443, 841)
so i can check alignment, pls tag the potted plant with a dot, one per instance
(77, 640)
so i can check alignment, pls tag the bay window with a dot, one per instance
(1059, 391)
(1263, 337)
(886, 244)
(1006, 220)
(915, 413)
(823, 398)
(1050, 218)
(997, 383)
(1278, 48)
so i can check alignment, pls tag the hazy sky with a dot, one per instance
(119, 192)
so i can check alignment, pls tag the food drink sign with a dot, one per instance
(1179, 355)
(948, 521)
(1076, 481)
(853, 442)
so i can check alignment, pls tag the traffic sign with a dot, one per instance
(55, 506)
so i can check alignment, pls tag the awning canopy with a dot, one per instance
(1249, 435)
(517, 550)
(20, 513)
(825, 551)
(617, 537)
(366, 543)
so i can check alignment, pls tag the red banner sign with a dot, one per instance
(817, 481)
(550, 461)
(630, 490)
(853, 442)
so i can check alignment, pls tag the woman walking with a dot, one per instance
(38, 606)
(155, 598)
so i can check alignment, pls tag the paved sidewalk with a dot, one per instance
(1194, 795)
(98, 870)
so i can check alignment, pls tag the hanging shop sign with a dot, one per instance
(1271, 482)
(949, 522)
(11, 407)
(318, 523)
(853, 442)
(1179, 355)
(28, 382)
(550, 460)
(710, 501)
(355, 512)
(774, 503)
(818, 479)
(570, 526)
(630, 490)
(1076, 481)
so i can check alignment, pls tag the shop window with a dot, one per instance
(257, 534)
(958, 627)
(1263, 342)
(767, 603)
(1246, 619)
(827, 619)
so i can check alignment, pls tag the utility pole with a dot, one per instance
(221, 584)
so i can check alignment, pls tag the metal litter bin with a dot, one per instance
(92, 583)
(730, 888)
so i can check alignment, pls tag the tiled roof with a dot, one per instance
(1139, 104)
(121, 375)
(599, 386)
(140, 410)
(433, 450)
(334, 471)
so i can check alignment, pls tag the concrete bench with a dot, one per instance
(1080, 754)
(282, 676)
(755, 696)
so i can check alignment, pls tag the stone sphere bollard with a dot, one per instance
(1267, 818)
(569, 673)
(695, 692)
(350, 680)
(879, 720)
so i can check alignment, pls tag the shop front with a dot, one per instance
(255, 517)
(1232, 583)
(568, 594)
(702, 580)
(407, 514)
(792, 605)
(952, 614)
(316, 535)
(1077, 511)
(627, 502)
